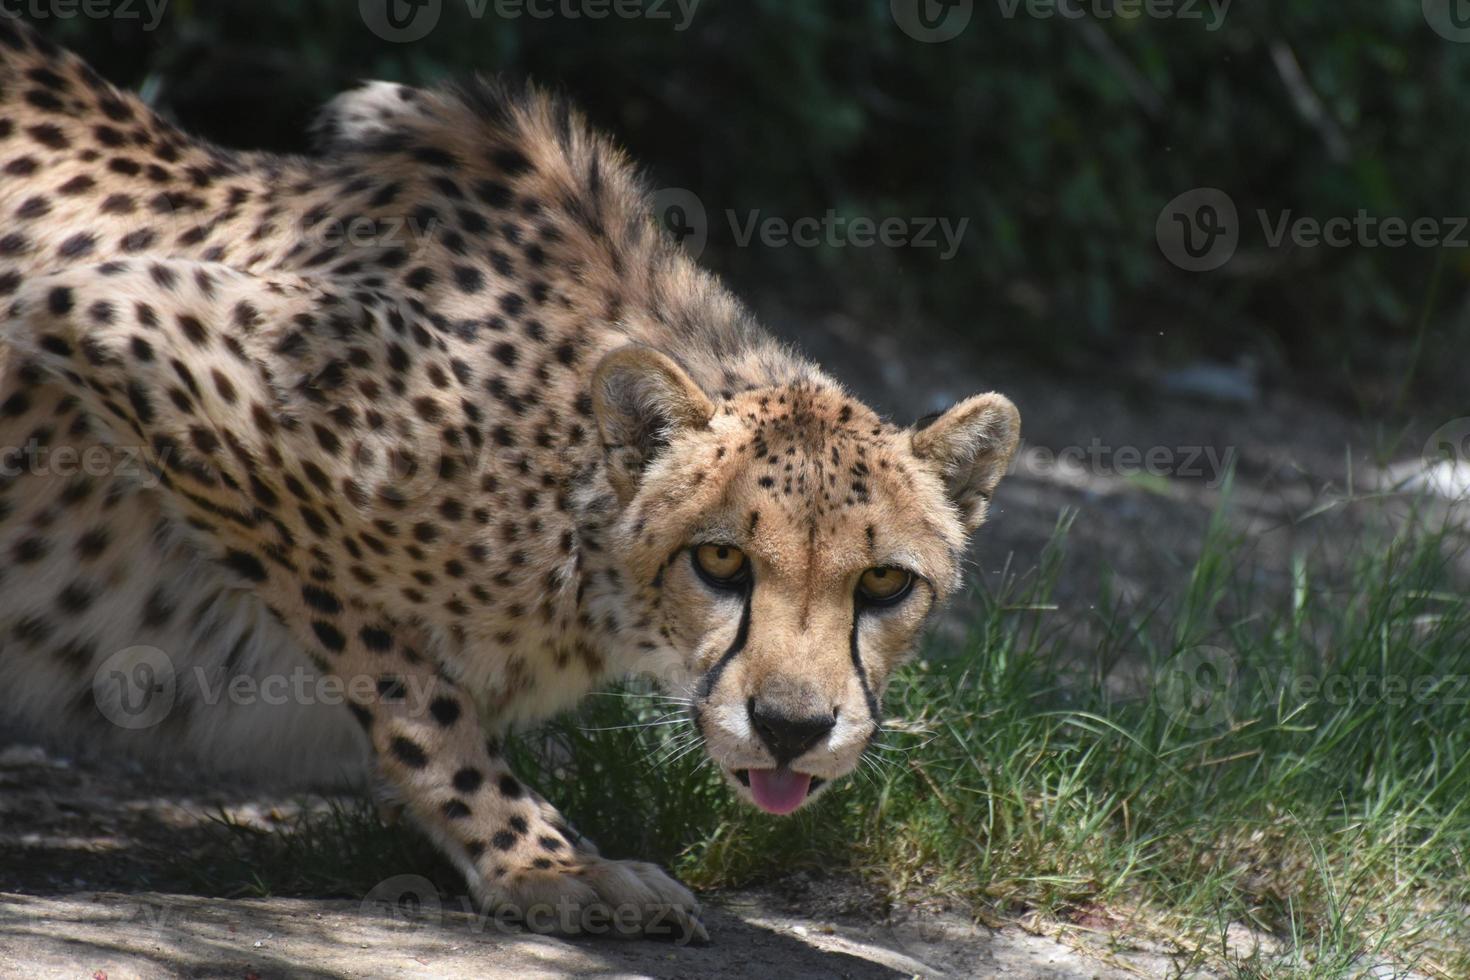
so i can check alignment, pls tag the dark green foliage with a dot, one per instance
(1060, 139)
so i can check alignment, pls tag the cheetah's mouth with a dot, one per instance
(779, 791)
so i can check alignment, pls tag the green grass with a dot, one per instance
(1217, 786)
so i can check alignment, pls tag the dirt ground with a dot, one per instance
(82, 893)
(168, 936)
(89, 887)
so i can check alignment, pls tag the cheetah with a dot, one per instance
(442, 416)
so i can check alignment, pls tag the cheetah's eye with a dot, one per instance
(885, 586)
(722, 565)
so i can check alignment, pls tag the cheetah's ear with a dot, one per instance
(641, 399)
(971, 445)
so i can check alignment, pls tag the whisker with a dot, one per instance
(697, 744)
(681, 742)
(634, 725)
(643, 696)
(888, 747)
(878, 764)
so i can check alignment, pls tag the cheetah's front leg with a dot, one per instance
(182, 383)
(515, 849)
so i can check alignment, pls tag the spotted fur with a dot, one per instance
(439, 415)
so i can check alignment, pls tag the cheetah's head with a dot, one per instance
(789, 546)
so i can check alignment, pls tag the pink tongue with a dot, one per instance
(778, 790)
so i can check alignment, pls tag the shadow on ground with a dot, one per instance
(91, 885)
(166, 936)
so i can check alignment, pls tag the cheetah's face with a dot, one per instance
(792, 546)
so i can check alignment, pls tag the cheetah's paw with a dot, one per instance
(597, 896)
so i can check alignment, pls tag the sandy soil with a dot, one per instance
(89, 887)
(149, 935)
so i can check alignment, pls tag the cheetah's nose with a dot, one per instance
(786, 735)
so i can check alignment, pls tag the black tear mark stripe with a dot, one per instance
(712, 676)
(857, 664)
